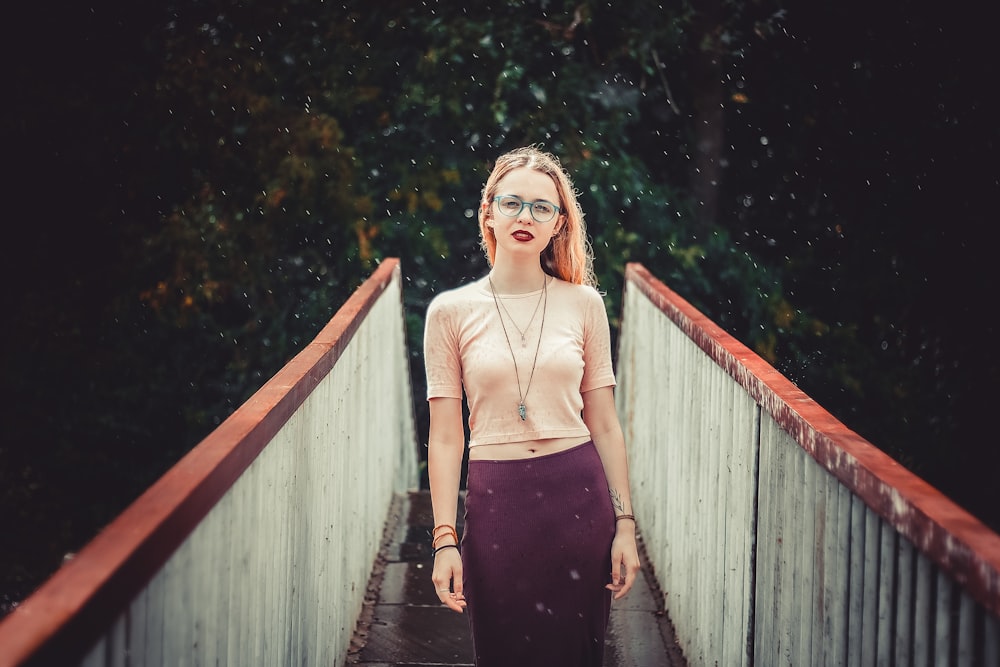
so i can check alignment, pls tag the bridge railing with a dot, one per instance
(780, 536)
(257, 547)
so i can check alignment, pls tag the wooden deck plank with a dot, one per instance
(403, 624)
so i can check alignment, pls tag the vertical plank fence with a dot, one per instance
(780, 536)
(256, 548)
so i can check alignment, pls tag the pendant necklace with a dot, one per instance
(524, 333)
(521, 409)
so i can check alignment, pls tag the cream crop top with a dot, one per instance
(464, 346)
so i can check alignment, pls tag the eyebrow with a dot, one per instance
(525, 199)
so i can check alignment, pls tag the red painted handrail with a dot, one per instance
(69, 612)
(954, 540)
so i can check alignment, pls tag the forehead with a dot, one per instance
(528, 184)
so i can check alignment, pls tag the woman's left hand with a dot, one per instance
(624, 563)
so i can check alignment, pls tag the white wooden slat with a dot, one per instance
(886, 588)
(905, 568)
(823, 644)
(265, 577)
(923, 613)
(966, 632)
(861, 618)
(765, 604)
(806, 544)
(834, 582)
(838, 599)
(740, 474)
(714, 501)
(783, 536)
(943, 630)
(991, 641)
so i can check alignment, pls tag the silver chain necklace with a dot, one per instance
(521, 410)
(524, 343)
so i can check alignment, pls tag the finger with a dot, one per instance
(453, 599)
(631, 574)
(457, 585)
(623, 589)
(616, 569)
(446, 599)
(452, 602)
(617, 581)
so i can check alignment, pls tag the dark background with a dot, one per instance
(149, 286)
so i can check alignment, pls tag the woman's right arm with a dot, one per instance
(445, 451)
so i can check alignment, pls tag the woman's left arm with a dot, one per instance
(602, 419)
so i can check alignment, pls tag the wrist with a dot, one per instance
(444, 535)
(625, 524)
(444, 547)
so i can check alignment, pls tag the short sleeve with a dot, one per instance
(442, 358)
(598, 369)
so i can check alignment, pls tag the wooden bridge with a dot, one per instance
(295, 533)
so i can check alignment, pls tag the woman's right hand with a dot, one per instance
(447, 578)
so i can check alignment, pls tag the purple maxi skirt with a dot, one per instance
(536, 554)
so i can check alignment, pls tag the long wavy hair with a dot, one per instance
(569, 255)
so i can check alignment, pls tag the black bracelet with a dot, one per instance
(446, 546)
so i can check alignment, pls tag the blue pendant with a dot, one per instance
(522, 411)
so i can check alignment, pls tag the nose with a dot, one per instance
(524, 216)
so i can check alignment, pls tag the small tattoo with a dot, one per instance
(616, 501)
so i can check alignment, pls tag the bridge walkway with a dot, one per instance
(403, 624)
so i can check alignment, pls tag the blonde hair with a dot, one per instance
(569, 255)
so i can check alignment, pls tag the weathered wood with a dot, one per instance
(238, 555)
(866, 598)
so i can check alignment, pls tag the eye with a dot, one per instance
(543, 208)
(510, 203)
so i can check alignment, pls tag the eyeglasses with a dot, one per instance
(512, 205)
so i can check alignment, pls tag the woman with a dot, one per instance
(549, 533)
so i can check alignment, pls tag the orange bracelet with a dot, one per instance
(450, 531)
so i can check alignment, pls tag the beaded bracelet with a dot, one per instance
(625, 516)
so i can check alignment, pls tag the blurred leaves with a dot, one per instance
(257, 161)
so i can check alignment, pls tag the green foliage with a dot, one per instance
(276, 153)
(307, 142)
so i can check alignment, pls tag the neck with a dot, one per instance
(508, 279)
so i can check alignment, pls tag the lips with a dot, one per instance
(522, 235)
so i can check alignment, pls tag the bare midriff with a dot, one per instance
(523, 450)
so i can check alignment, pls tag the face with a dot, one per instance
(521, 233)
